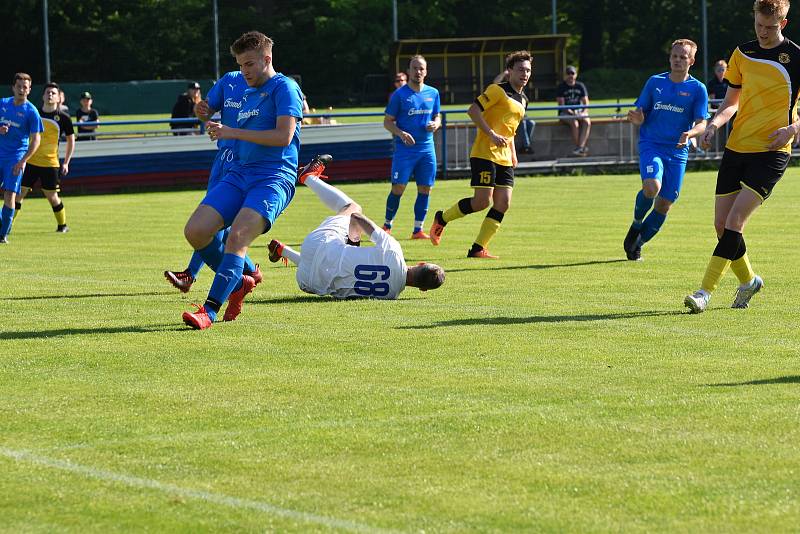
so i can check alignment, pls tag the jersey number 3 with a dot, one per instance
(367, 284)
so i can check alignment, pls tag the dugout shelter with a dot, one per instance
(461, 67)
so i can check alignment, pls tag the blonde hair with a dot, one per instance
(685, 42)
(774, 8)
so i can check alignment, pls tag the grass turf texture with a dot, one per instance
(558, 388)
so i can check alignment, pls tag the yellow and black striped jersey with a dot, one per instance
(54, 123)
(503, 109)
(769, 80)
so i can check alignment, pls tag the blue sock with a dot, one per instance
(212, 253)
(7, 217)
(652, 224)
(227, 279)
(392, 203)
(421, 210)
(195, 264)
(249, 266)
(640, 209)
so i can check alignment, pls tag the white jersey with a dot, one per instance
(329, 266)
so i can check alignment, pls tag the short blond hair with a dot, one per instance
(252, 40)
(773, 8)
(685, 42)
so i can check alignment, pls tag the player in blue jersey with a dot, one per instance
(412, 116)
(224, 97)
(671, 110)
(20, 135)
(258, 186)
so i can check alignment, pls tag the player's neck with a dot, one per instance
(515, 86)
(85, 109)
(678, 76)
(414, 86)
(49, 107)
(19, 100)
(267, 75)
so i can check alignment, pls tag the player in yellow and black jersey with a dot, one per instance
(497, 113)
(764, 79)
(44, 166)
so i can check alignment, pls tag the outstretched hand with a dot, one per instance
(781, 137)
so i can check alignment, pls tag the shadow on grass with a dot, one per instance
(172, 327)
(544, 319)
(90, 296)
(792, 379)
(537, 267)
(299, 299)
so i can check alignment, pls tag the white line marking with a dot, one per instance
(216, 498)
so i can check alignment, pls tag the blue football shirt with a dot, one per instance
(226, 97)
(22, 121)
(261, 107)
(412, 112)
(670, 108)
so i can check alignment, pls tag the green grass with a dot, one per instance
(556, 389)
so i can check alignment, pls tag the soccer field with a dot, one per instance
(559, 388)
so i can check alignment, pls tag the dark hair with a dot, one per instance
(48, 85)
(251, 41)
(429, 276)
(515, 57)
(22, 76)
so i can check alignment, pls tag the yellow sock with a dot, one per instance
(488, 229)
(742, 269)
(714, 273)
(452, 213)
(61, 215)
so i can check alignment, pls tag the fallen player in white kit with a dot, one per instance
(333, 263)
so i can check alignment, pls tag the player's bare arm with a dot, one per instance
(390, 124)
(476, 115)
(697, 130)
(33, 145)
(280, 136)
(636, 116)
(203, 111)
(434, 124)
(70, 149)
(726, 110)
(360, 223)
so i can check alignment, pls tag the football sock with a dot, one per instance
(249, 266)
(460, 209)
(213, 252)
(421, 210)
(640, 208)
(741, 265)
(195, 264)
(332, 197)
(392, 204)
(727, 248)
(5, 220)
(291, 254)
(60, 213)
(489, 227)
(212, 309)
(652, 224)
(17, 207)
(227, 279)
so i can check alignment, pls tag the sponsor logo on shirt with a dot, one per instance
(415, 111)
(668, 107)
(244, 115)
(230, 103)
(683, 93)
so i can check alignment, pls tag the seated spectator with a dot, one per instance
(571, 92)
(524, 137)
(86, 113)
(184, 109)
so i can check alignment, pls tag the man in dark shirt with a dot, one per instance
(571, 92)
(184, 109)
(86, 113)
(718, 85)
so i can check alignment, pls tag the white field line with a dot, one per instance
(214, 498)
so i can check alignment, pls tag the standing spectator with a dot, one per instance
(184, 109)
(86, 113)
(44, 167)
(528, 125)
(62, 102)
(718, 85)
(20, 134)
(571, 92)
(400, 79)
(411, 117)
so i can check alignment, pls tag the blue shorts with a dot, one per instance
(222, 162)
(421, 164)
(10, 182)
(667, 165)
(266, 195)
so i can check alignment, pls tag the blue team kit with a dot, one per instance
(226, 96)
(670, 109)
(22, 122)
(412, 112)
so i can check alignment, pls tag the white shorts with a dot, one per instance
(321, 252)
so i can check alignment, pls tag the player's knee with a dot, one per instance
(398, 189)
(719, 226)
(662, 205)
(502, 204)
(651, 189)
(196, 235)
(480, 203)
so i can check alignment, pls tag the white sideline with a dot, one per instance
(216, 498)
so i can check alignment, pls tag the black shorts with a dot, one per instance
(757, 171)
(487, 173)
(49, 176)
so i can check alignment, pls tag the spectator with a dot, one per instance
(525, 133)
(62, 102)
(400, 79)
(718, 85)
(571, 92)
(184, 109)
(86, 113)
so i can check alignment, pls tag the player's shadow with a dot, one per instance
(485, 266)
(532, 319)
(59, 332)
(791, 379)
(299, 299)
(88, 296)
